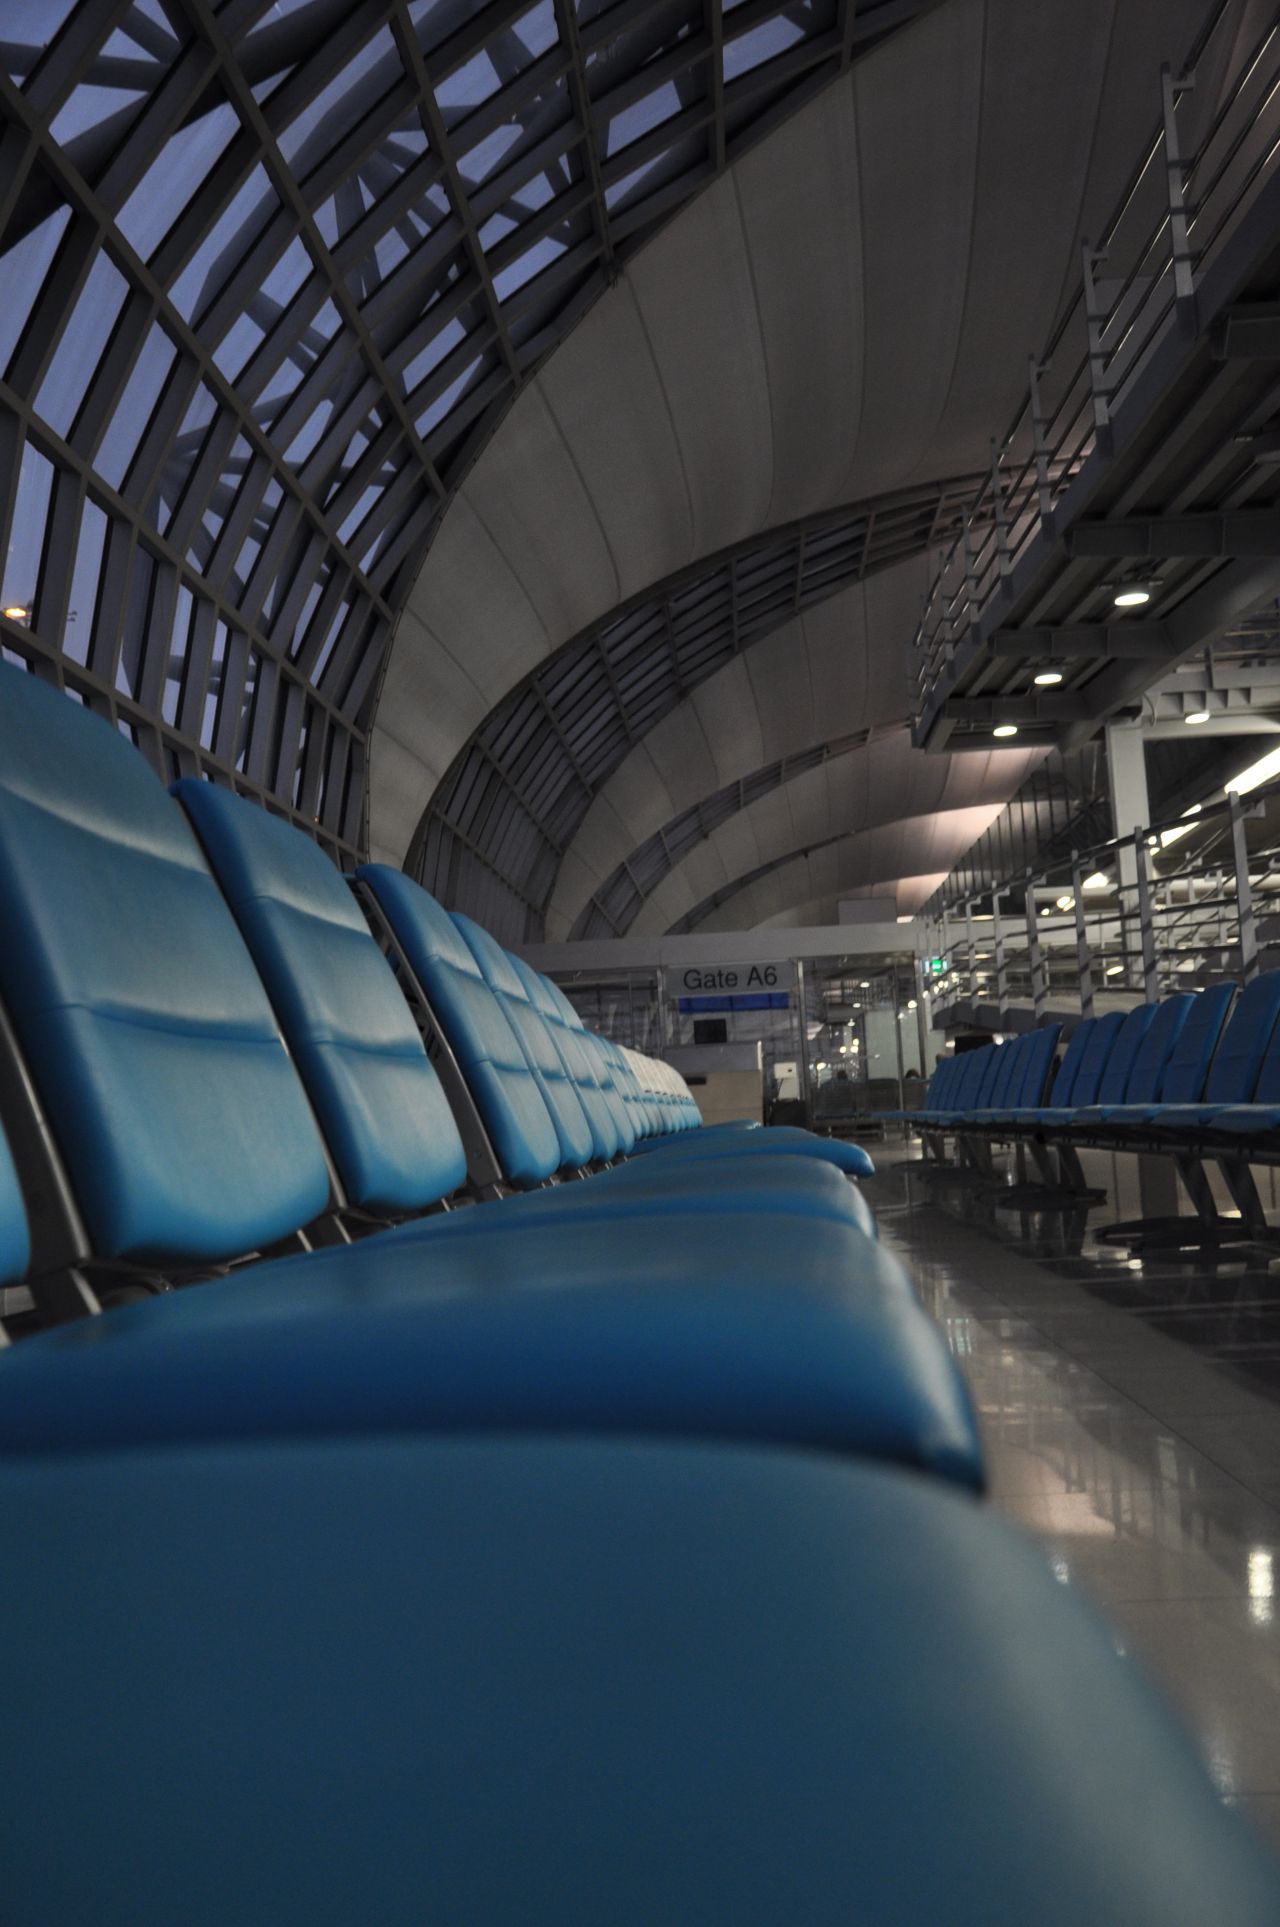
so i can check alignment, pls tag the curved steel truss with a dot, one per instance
(497, 828)
(615, 906)
(273, 269)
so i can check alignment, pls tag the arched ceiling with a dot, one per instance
(872, 786)
(776, 701)
(858, 863)
(273, 271)
(846, 314)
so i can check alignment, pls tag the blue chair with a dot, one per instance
(488, 1681)
(189, 1140)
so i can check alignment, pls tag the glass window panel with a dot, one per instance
(26, 535)
(134, 410)
(225, 246)
(326, 647)
(374, 70)
(433, 354)
(181, 458)
(76, 357)
(174, 176)
(24, 267)
(236, 346)
(488, 154)
(26, 28)
(462, 92)
(84, 583)
(213, 694)
(641, 117)
(758, 44)
(355, 516)
(523, 269)
(435, 414)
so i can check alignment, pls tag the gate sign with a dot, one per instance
(743, 978)
(758, 986)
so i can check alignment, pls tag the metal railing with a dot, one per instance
(1137, 281)
(1125, 921)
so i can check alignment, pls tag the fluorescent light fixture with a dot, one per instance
(1257, 773)
(906, 919)
(1005, 729)
(1132, 598)
(1048, 678)
(1194, 716)
(1066, 903)
(1098, 881)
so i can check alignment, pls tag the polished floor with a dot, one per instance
(1131, 1415)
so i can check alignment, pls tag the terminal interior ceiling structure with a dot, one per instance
(493, 434)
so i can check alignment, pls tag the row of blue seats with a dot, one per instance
(1204, 1063)
(608, 1551)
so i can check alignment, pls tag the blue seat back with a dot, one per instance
(507, 1095)
(1189, 1060)
(993, 1063)
(973, 1069)
(1097, 1054)
(183, 1126)
(380, 1104)
(1124, 1053)
(1010, 1057)
(1069, 1068)
(1234, 1075)
(1146, 1078)
(1267, 1088)
(607, 1078)
(1028, 1094)
(577, 1064)
(577, 1146)
(15, 1243)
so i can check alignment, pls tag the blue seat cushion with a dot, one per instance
(1249, 1120)
(710, 1326)
(490, 1682)
(776, 1141)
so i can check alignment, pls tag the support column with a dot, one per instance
(1130, 806)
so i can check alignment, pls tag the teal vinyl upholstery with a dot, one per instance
(485, 1683)
(506, 1091)
(15, 1242)
(681, 1324)
(380, 1104)
(573, 1129)
(172, 1098)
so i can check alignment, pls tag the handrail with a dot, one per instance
(1049, 440)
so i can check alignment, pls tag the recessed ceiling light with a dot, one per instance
(1005, 729)
(1195, 716)
(1066, 903)
(1113, 970)
(1098, 881)
(17, 613)
(1132, 598)
(1047, 678)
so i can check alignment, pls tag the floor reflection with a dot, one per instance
(1131, 1415)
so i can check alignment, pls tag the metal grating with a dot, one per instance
(494, 834)
(273, 271)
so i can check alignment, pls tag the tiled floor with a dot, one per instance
(1132, 1423)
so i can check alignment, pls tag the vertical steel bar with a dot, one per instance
(1035, 957)
(1084, 958)
(1146, 927)
(1246, 928)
